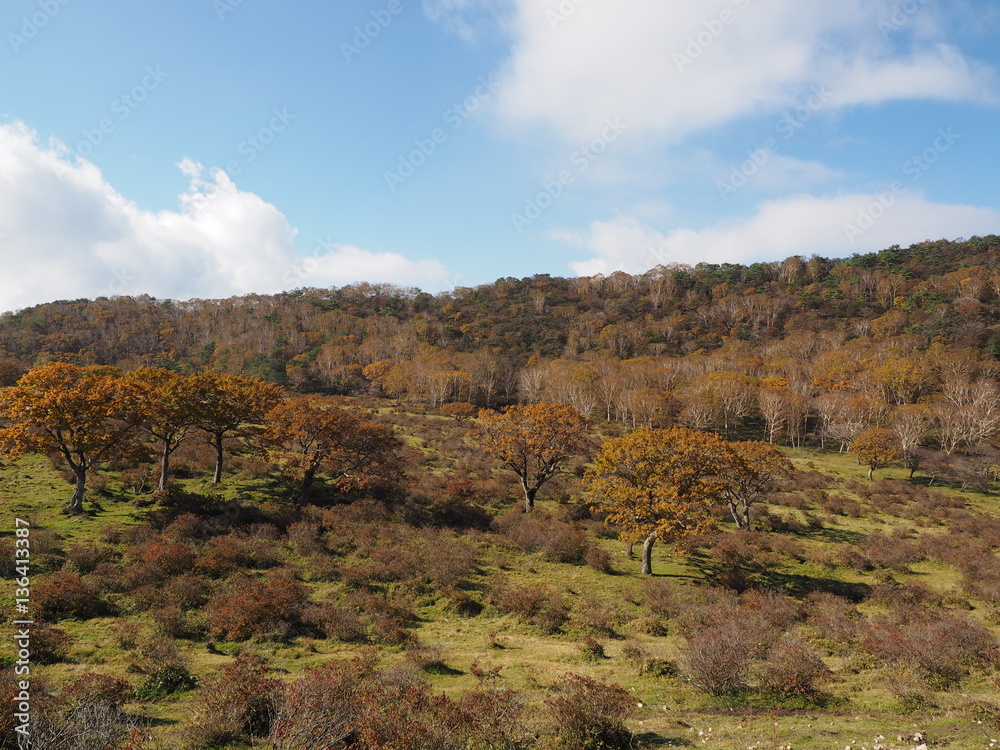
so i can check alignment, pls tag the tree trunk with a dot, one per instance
(164, 465)
(647, 555)
(628, 550)
(218, 459)
(75, 506)
(871, 473)
(736, 515)
(307, 483)
(746, 517)
(529, 496)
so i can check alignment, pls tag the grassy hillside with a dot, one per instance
(893, 585)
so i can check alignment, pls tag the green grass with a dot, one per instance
(863, 701)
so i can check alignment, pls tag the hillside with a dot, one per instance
(343, 547)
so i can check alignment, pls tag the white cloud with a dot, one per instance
(800, 225)
(66, 233)
(673, 69)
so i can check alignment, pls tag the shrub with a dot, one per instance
(792, 670)
(718, 658)
(539, 605)
(236, 704)
(86, 557)
(597, 615)
(592, 649)
(157, 560)
(305, 538)
(589, 715)
(598, 558)
(556, 540)
(941, 649)
(833, 616)
(65, 594)
(166, 669)
(253, 607)
(50, 645)
(336, 622)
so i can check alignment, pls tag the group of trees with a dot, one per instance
(96, 415)
(654, 484)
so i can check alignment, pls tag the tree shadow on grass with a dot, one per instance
(650, 739)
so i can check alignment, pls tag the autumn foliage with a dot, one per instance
(534, 441)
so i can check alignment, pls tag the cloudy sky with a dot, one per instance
(205, 148)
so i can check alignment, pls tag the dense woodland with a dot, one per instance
(371, 517)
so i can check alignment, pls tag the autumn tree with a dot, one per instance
(876, 448)
(659, 484)
(911, 423)
(751, 470)
(534, 441)
(166, 410)
(228, 406)
(316, 435)
(85, 414)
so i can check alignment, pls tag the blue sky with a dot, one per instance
(205, 148)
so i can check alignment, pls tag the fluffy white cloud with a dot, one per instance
(671, 69)
(66, 233)
(804, 225)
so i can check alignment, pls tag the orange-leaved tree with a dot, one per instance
(85, 414)
(659, 484)
(534, 441)
(751, 470)
(314, 435)
(229, 406)
(166, 410)
(876, 448)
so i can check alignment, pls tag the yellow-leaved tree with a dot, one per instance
(85, 414)
(753, 467)
(659, 484)
(313, 435)
(534, 441)
(876, 448)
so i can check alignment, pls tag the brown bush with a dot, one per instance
(792, 669)
(539, 605)
(252, 607)
(65, 594)
(719, 658)
(942, 649)
(598, 558)
(589, 715)
(50, 645)
(86, 557)
(833, 616)
(339, 622)
(598, 616)
(557, 540)
(888, 552)
(236, 704)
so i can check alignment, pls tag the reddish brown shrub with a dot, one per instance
(539, 605)
(252, 607)
(236, 704)
(598, 558)
(335, 621)
(588, 714)
(718, 658)
(50, 645)
(833, 616)
(86, 557)
(942, 648)
(889, 552)
(792, 669)
(64, 594)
